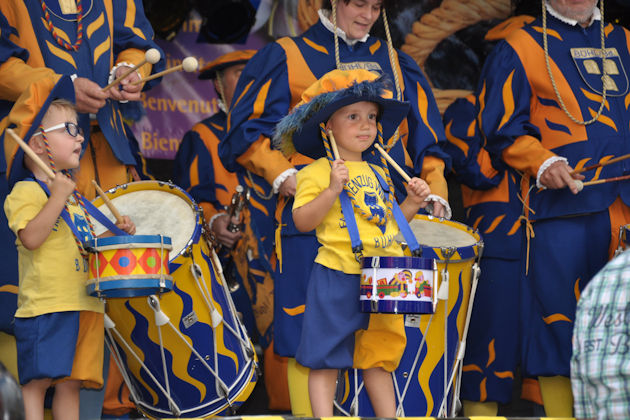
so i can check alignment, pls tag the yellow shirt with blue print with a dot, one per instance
(332, 233)
(53, 276)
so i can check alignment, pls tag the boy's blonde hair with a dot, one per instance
(61, 104)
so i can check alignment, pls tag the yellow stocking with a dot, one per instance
(557, 395)
(483, 409)
(298, 389)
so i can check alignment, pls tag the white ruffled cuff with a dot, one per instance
(432, 197)
(281, 178)
(213, 218)
(546, 164)
(112, 74)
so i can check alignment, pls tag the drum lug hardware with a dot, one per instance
(250, 353)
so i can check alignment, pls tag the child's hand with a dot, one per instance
(61, 187)
(127, 225)
(417, 191)
(339, 175)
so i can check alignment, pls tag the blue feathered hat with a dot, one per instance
(299, 131)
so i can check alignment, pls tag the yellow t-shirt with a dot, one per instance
(53, 276)
(332, 233)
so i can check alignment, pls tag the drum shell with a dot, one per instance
(177, 353)
(129, 266)
(427, 378)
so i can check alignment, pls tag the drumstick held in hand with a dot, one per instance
(580, 185)
(599, 165)
(27, 149)
(392, 162)
(189, 64)
(333, 145)
(151, 56)
(108, 202)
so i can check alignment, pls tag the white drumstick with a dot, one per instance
(189, 65)
(151, 56)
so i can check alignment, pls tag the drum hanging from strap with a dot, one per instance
(426, 381)
(128, 266)
(398, 285)
(184, 353)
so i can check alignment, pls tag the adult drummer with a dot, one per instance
(94, 42)
(550, 105)
(270, 86)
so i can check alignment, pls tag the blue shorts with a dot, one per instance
(61, 345)
(331, 318)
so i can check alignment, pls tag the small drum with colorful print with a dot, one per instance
(129, 266)
(426, 381)
(399, 285)
(184, 353)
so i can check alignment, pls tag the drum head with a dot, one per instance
(435, 234)
(156, 209)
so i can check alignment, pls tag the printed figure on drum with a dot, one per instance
(59, 327)
(354, 107)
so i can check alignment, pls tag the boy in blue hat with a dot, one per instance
(346, 105)
(58, 326)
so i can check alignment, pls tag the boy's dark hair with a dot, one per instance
(327, 4)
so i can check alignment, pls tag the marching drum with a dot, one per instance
(182, 353)
(398, 285)
(427, 379)
(128, 266)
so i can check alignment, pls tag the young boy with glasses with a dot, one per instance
(58, 326)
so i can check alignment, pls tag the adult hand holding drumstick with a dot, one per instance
(127, 77)
(122, 222)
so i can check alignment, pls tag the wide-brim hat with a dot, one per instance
(299, 131)
(209, 71)
(26, 116)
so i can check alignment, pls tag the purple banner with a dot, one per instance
(181, 100)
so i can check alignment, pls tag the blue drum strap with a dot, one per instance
(92, 210)
(401, 221)
(351, 223)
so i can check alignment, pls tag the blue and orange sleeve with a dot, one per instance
(504, 113)
(261, 99)
(133, 36)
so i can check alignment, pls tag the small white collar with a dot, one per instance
(595, 16)
(324, 16)
(222, 106)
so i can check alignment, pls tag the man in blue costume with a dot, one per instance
(270, 85)
(553, 99)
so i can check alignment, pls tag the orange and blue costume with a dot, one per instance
(525, 128)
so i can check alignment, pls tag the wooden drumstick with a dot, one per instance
(27, 149)
(580, 185)
(599, 165)
(392, 162)
(108, 202)
(189, 64)
(333, 145)
(151, 56)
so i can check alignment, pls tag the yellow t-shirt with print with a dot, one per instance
(332, 233)
(52, 278)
